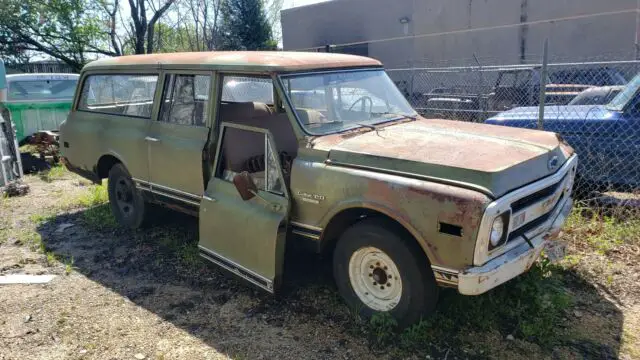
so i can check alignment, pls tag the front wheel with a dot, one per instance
(379, 268)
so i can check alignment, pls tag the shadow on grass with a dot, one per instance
(538, 308)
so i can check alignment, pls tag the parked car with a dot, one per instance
(325, 151)
(36, 102)
(596, 95)
(514, 87)
(595, 76)
(606, 136)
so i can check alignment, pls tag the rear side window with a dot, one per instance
(127, 95)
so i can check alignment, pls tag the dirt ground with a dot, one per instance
(146, 294)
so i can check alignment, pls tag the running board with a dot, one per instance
(237, 269)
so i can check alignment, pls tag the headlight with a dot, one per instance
(497, 235)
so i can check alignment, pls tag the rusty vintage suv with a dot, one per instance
(319, 149)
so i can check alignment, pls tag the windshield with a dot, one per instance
(338, 101)
(41, 89)
(624, 97)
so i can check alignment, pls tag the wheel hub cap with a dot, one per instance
(375, 278)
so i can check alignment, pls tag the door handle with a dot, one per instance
(151, 139)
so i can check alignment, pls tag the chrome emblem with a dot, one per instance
(553, 163)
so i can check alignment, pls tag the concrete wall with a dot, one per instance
(456, 30)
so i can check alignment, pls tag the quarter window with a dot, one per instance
(129, 95)
(185, 100)
(247, 89)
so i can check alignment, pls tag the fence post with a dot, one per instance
(543, 84)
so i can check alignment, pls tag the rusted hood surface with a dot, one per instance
(495, 159)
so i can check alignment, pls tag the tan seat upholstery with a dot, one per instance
(310, 117)
(241, 145)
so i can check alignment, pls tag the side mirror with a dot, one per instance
(245, 186)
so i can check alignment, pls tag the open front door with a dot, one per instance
(244, 230)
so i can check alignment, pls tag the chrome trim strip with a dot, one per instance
(190, 195)
(237, 269)
(305, 226)
(175, 197)
(481, 253)
(306, 234)
(168, 192)
(445, 276)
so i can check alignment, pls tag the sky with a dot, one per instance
(293, 3)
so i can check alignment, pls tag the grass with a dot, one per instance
(56, 172)
(52, 259)
(68, 265)
(603, 232)
(95, 195)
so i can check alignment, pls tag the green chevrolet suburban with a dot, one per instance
(323, 150)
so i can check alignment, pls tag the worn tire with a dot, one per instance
(127, 204)
(419, 292)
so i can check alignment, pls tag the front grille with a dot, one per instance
(535, 197)
(533, 224)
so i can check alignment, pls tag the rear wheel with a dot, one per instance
(378, 268)
(127, 204)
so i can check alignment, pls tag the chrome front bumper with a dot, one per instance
(478, 280)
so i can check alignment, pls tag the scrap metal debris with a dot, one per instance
(14, 188)
(13, 279)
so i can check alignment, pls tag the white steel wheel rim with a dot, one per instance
(375, 278)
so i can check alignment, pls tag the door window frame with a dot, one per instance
(211, 102)
(268, 137)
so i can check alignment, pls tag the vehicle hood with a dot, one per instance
(491, 159)
(565, 112)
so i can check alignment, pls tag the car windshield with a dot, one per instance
(337, 101)
(624, 97)
(42, 89)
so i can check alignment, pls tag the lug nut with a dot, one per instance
(375, 283)
(381, 287)
(385, 268)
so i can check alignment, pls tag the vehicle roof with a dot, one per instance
(253, 61)
(31, 76)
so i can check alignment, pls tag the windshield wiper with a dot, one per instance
(412, 117)
(367, 126)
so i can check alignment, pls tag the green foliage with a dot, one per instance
(602, 232)
(531, 306)
(69, 30)
(55, 173)
(245, 26)
(99, 217)
(96, 195)
(383, 328)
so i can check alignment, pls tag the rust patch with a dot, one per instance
(456, 144)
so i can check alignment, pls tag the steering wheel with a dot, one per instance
(363, 100)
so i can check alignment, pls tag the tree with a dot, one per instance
(142, 30)
(68, 30)
(245, 26)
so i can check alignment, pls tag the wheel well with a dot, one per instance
(105, 164)
(344, 219)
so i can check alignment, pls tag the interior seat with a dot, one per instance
(242, 145)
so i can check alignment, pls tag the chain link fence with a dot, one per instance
(594, 106)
